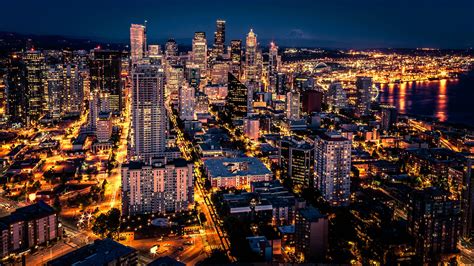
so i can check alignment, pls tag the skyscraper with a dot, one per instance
(336, 97)
(200, 51)
(148, 112)
(37, 91)
(388, 117)
(237, 96)
(364, 95)
(297, 161)
(171, 48)
(186, 102)
(54, 83)
(332, 168)
(17, 93)
(293, 105)
(73, 84)
(137, 42)
(219, 39)
(274, 61)
(434, 221)
(236, 57)
(105, 69)
(251, 47)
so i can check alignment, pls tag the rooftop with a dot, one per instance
(101, 252)
(241, 166)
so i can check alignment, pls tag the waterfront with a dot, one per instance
(448, 100)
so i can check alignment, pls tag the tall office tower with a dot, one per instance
(105, 69)
(237, 97)
(104, 127)
(274, 61)
(171, 48)
(311, 234)
(434, 221)
(187, 102)
(219, 39)
(297, 161)
(137, 42)
(174, 79)
(73, 89)
(364, 94)
(281, 84)
(332, 168)
(219, 72)
(199, 55)
(38, 94)
(251, 47)
(148, 112)
(157, 189)
(192, 75)
(388, 117)
(93, 110)
(54, 83)
(311, 101)
(336, 97)
(236, 57)
(293, 105)
(3, 97)
(17, 93)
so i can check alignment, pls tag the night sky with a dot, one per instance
(316, 23)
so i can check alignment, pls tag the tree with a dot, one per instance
(107, 224)
(202, 217)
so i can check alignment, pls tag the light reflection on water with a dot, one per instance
(447, 100)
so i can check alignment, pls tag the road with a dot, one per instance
(214, 235)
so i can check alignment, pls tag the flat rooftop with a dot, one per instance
(240, 166)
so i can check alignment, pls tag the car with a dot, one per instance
(188, 243)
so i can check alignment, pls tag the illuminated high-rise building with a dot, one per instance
(251, 47)
(219, 39)
(105, 69)
(148, 112)
(332, 169)
(434, 222)
(157, 188)
(54, 83)
(336, 97)
(37, 91)
(174, 79)
(388, 118)
(73, 84)
(17, 93)
(137, 42)
(237, 96)
(199, 55)
(236, 57)
(293, 105)
(171, 48)
(274, 61)
(296, 159)
(364, 94)
(187, 101)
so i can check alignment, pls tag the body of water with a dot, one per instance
(448, 100)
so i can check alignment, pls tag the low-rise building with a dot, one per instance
(236, 172)
(101, 252)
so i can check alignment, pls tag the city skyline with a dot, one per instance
(365, 24)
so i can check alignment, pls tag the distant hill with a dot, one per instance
(15, 41)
